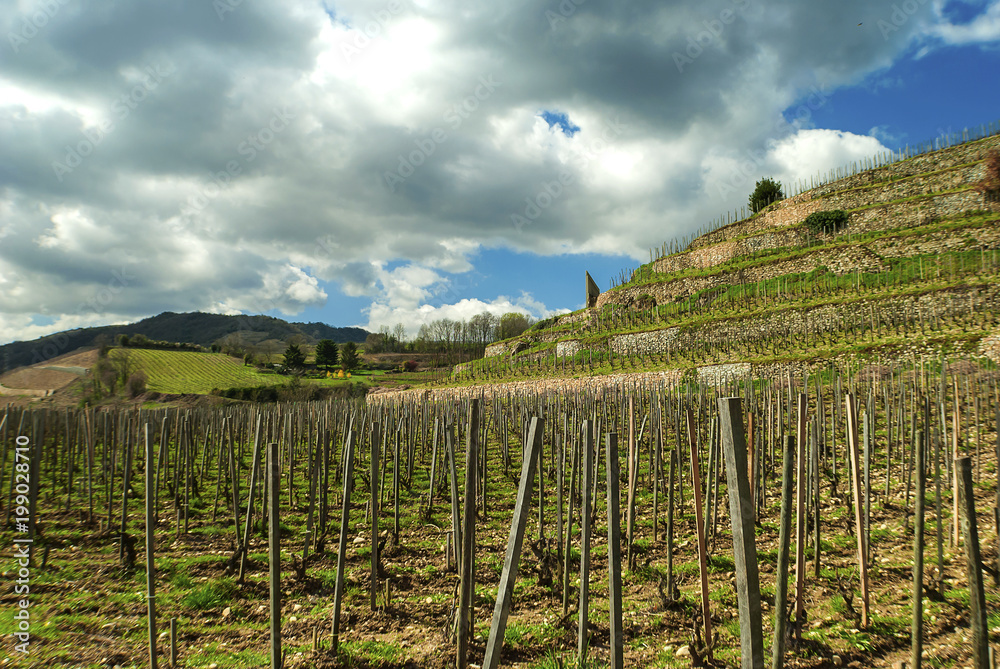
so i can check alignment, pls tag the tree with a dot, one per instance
(399, 334)
(327, 354)
(294, 357)
(767, 191)
(349, 356)
(374, 343)
(512, 324)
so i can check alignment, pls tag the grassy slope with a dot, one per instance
(190, 372)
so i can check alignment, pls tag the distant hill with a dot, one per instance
(194, 328)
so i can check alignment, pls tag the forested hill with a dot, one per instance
(194, 328)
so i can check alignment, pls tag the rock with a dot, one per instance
(428, 601)
(296, 607)
(226, 611)
(683, 651)
(292, 619)
(837, 661)
(359, 540)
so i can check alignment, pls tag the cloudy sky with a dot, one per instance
(367, 163)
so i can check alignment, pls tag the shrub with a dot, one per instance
(410, 366)
(767, 191)
(136, 384)
(826, 221)
(990, 183)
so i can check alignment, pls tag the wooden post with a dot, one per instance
(150, 545)
(632, 456)
(588, 475)
(373, 506)
(514, 543)
(616, 641)
(744, 546)
(670, 525)
(917, 640)
(800, 516)
(700, 526)
(784, 539)
(173, 642)
(274, 546)
(345, 517)
(253, 488)
(852, 442)
(456, 526)
(974, 564)
(467, 586)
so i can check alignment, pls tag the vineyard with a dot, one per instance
(190, 372)
(529, 529)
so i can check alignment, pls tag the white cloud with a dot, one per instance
(382, 314)
(983, 29)
(301, 209)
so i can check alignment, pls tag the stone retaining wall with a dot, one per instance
(823, 319)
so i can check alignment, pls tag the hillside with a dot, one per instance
(194, 328)
(913, 271)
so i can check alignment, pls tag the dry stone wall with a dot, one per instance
(568, 348)
(820, 320)
(841, 260)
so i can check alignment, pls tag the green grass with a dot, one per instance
(179, 372)
(210, 595)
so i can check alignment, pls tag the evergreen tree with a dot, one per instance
(327, 354)
(349, 356)
(767, 191)
(294, 357)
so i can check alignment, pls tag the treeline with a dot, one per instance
(142, 341)
(452, 341)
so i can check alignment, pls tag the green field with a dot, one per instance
(179, 372)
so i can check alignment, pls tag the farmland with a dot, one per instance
(206, 476)
(190, 372)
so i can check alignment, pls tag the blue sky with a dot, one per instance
(370, 163)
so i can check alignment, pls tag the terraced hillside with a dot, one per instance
(913, 271)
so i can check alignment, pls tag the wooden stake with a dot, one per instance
(744, 546)
(585, 517)
(700, 525)
(345, 517)
(514, 543)
(974, 564)
(852, 442)
(616, 641)
(274, 548)
(784, 539)
(150, 546)
(467, 587)
(917, 635)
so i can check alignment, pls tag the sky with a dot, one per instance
(368, 163)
